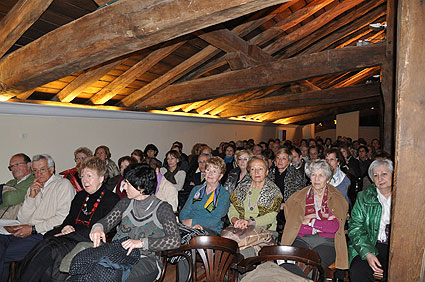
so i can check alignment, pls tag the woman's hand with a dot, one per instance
(197, 226)
(66, 230)
(187, 222)
(241, 223)
(282, 206)
(308, 218)
(130, 244)
(96, 234)
(374, 263)
(332, 217)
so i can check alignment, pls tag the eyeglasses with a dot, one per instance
(14, 165)
(212, 171)
(79, 159)
(331, 160)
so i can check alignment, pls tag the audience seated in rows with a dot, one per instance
(255, 191)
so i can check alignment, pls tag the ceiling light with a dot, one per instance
(378, 26)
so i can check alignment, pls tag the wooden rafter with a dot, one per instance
(132, 73)
(275, 115)
(323, 113)
(154, 21)
(311, 26)
(266, 75)
(84, 80)
(23, 14)
(304, 99)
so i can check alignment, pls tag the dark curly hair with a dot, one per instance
(142, 177)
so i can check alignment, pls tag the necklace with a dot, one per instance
(250, 200)
(84, 208)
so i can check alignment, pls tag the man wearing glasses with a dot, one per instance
(14, 190)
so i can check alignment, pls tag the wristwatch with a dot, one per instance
(252, 220)
(33, 231)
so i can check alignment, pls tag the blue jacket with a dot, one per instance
(199, 215)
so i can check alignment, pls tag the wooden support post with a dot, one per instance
(407, 244)
(388, 80)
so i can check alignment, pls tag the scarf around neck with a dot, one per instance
(310, 207)
(170, 175)
(211, 203)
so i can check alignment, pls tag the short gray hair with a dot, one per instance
(86, 151)
(388, 163)
(319, 164)
(48, 158)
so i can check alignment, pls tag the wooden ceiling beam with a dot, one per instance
(96, 37)
(275, 115)
(304, 99)
(361, 75)
(237, 99)
(185, 67)
(290, 21)
(227, 41)
(266, 75)
(323, 113)
(330, 28)
(23, 14)
(311, 26)
(84, 80)
(346, 31)
(102, 2)
(130, 75)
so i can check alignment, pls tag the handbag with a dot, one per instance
(254, 236)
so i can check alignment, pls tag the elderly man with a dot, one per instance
(14, 190)
(46, 205)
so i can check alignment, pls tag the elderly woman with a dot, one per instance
(172, 172)
(149, 222)
(72, 174)
(207, 203)
(369, 225)
(103, 153)
(256, 201)
(239, 173)
(287, 178)
(339, 179)
(315, 217)
(87, 207)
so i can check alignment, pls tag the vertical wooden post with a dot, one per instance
(407, 259)
(388, 82)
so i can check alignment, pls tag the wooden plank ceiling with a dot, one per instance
(295, 62)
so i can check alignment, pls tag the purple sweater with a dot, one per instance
(326, 228)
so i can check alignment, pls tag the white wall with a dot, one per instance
(35, 129)
(347, 124)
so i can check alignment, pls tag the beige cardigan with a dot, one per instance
(168, 193)
(48, 209)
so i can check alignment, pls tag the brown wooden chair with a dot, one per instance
(307, 260)
(218, 256)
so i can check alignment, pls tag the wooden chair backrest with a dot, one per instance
(217, 255)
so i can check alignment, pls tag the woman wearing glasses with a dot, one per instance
(207, 203)
(87, 207)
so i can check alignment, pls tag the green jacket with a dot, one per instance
(11, 198)
(364, 224)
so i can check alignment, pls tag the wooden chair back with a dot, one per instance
(307, 260)
(217, 255)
